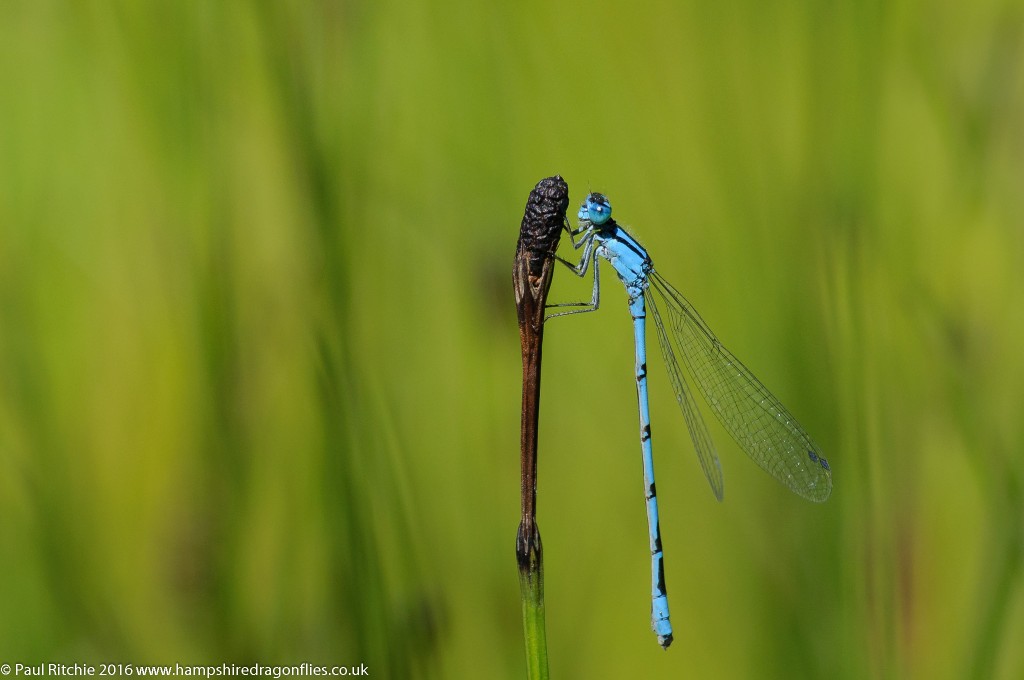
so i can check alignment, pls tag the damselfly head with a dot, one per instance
(596, 209)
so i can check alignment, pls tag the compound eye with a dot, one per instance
(600, 211)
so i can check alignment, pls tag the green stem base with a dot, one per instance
(531, 585)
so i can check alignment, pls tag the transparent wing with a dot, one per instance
(759, 423)
(702, 442)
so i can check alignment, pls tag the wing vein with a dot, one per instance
(760, 424)
(702, 442)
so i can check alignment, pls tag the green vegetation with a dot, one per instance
(259, 363)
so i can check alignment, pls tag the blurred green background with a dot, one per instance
(259, 363)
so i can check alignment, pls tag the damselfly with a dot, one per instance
(759, 423)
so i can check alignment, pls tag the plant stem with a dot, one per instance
(543, 221)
